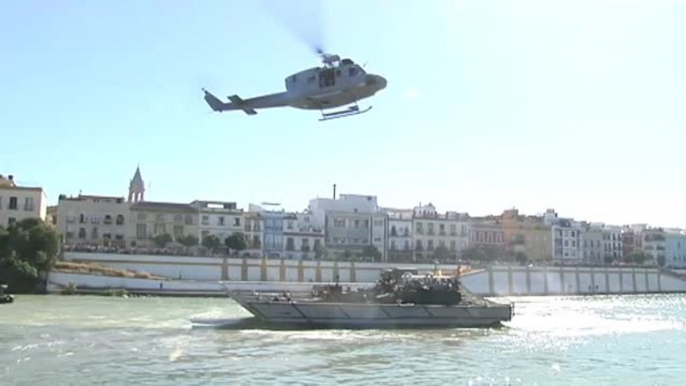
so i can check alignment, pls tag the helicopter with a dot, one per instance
(338, 83)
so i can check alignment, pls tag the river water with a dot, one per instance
(87, 340)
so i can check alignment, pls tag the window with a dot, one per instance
(119, 237)
(107, 220)
(70, 235)
(11, 220)
(160, 229)
(120, 219)
(392, 245)
(94, 233)
(141, 231)
(317, 243)
(352, 71)
(237, 221)
(178, 231)
(453, 229)
(71, 218)
(430, 245)
(95, 219)
(178, 218)
(339, 223)
(441, 228)
(205, 220)
(290, 244)
(452, 245)
(82, 233)
(13, 203)
(107, 236)
(142, 217)
(431, 228)
(159, 217)
(365, 223)
(221, 220)
(357, 223)
(419, 245)
(28, 204)
(289, 224)
(378, 223)
(566, 243)
(407, 245)
(188, 219)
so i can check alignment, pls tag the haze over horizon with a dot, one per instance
(572, 105)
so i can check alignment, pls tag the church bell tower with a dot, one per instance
(137, 187)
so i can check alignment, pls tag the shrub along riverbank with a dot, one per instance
(28, 251)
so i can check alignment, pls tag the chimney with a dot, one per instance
(334, 191)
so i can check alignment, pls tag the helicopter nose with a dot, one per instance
(376, 81)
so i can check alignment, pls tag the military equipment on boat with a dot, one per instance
(401, 298)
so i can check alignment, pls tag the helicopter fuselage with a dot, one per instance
(323, 88)
(338, 83)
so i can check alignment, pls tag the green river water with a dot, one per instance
(89, 340)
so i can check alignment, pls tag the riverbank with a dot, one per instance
(211, 275)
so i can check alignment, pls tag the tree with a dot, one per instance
(442, 253)
(319, 251)
(370, 251)
(236, 242)
(474, 254)
(521, 257)
(163, 239)
(27, 249)
(211, 242)
(661, 261)
(637, 257)
(187, 240)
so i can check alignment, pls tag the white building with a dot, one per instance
(93, 220)
(400, 245)
(20, 202)
(675, 243)
(567, 241)
(351, 222)
(302, 238)
(433, 230)
(602, 244)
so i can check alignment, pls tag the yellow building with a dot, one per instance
(527, 234)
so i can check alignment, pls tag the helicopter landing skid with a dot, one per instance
(350, 111)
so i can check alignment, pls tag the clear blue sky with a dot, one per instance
(576, 105)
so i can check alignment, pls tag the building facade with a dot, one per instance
(400, 235)
(149, 219)
(93, 220)
(431, 231)
(675, 253)
(19, 202)
(352, 223)
(528, 234)
(303, 240)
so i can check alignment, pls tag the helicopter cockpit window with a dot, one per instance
(346, 61)
(352, 71)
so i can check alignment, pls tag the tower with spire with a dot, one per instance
(137, 187)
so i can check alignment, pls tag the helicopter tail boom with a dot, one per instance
(217, 105)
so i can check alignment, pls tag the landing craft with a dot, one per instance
(338, 83)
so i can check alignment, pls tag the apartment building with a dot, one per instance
(20, 202)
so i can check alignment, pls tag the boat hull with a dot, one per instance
(306, 314)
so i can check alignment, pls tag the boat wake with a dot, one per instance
(224, 323)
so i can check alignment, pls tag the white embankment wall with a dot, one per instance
(221, 274)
